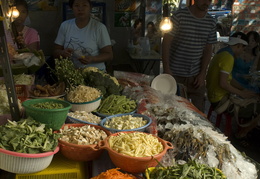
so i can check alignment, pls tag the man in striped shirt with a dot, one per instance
(187, 49)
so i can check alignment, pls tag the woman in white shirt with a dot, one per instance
(83, 39)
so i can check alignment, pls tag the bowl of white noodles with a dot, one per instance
(84, 98)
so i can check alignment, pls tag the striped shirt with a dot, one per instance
(190, 36)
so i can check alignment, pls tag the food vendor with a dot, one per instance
(83, 39)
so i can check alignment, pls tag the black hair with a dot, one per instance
(256, 37)
(21, 3)
(71, 2)
(153, 25)
(137, 21)
(241, 35)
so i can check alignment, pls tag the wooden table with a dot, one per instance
(143, 62)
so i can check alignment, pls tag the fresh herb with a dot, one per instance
(66, 72)
(27, 136)
(189, 170)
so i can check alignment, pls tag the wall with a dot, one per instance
(47, 24)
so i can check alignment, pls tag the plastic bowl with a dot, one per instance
(22, 163)
(134, 164)
(140, 129)
(86, 106)
(53, 118)
(75, 120)
(107, 115)
(81, 152)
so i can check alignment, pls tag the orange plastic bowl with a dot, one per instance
(134, 164)
(81, 152)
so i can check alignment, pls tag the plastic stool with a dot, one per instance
(228, 125)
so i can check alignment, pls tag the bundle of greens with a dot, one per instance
(27, 136)
(101, 80)
(67, 73)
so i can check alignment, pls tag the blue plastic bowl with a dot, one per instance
(140, 129)
(108, 115)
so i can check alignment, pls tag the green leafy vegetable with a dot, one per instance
(66, 72)
(27, 136)
(189, 170)
(103, 81)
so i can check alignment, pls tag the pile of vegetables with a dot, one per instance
(106, 83)
(37, 53)
(67, 73)
(191, 169)
(23, 79)
(4, 104)
(48, 105)
(116, 104)
(27, 136)
(114, 173)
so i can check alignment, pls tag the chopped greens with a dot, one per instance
(27, 136)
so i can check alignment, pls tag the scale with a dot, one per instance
(7, 72)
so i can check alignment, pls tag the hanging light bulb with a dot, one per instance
(13, 13)
(166, 23)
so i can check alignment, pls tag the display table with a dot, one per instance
(144, 63)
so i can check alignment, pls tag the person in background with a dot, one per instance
(83, 39)
(187, 49)
(247, 61)
(137, 31)
(153, 36)
(24, 36)
(220, 82)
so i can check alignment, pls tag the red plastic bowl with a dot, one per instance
(81, 152)
(134, 164)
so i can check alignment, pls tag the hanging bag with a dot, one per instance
(223, 105)
(232, 104)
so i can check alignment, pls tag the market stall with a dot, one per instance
(175, 120)
(62, 131)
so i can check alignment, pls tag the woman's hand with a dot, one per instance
(248, 94)
(20, 40)
(67, 52)
(86, 59)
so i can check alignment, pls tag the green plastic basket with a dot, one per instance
(53, 118)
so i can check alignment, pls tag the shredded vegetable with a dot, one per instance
(114, 174)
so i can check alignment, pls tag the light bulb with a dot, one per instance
(13, 12)
(166, 24)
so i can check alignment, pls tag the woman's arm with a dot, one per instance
(223, 82)
(60, 51)
(105, 55)
(34, 46)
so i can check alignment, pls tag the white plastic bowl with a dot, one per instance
(86, 106)
(140, 129)
(22, 163)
